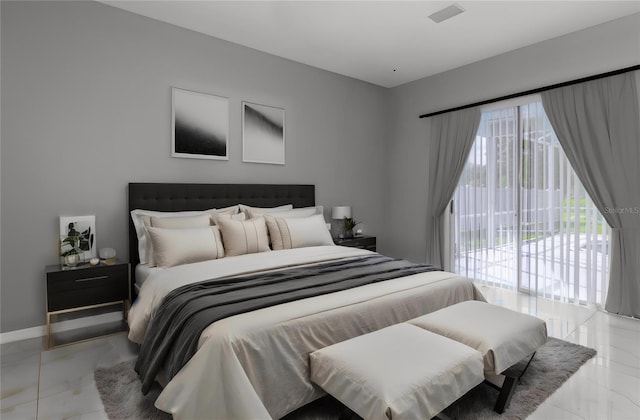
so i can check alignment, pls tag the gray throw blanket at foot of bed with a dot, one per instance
(173, 333)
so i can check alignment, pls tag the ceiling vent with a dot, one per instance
(446, 13)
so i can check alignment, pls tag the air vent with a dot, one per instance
(446, 13)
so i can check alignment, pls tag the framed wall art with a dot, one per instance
(262, 134)
(200, 125)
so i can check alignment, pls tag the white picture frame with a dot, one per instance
(85, 227)
(199, 125)
(263, 134)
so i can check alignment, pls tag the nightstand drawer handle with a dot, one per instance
(92, 278)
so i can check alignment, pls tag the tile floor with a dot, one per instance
(58, 383)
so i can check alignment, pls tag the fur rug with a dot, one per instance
(553, 364)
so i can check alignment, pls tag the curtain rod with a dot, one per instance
(538, 90)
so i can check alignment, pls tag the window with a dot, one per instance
(522, 218)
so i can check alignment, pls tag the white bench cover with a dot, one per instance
(398, 372)
(504, 337)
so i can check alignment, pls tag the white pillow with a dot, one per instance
(183, 222)
(264, 210)
(297, 232)
(289, 214)
(178, 222)
(244, 237)
(229, 210)
(228, 216)
(173, 247)
(138, 223)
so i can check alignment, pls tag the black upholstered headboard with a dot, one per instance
(183, 197)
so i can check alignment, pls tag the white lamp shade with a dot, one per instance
(340, 212)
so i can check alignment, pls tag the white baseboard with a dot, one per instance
(70, 324)
(25, 334)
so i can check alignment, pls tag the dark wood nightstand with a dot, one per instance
(362, 241)
(84, 287)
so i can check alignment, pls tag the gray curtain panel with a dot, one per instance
(598, 126)
(452, 136)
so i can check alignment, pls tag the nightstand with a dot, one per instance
(362, 241)
(84, 287)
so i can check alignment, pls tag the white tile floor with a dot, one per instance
(59, 383)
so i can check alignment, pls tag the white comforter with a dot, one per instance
(255, 365)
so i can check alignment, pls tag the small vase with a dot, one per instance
(348, 233)
(72, 260)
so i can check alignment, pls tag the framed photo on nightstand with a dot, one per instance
(77, 237)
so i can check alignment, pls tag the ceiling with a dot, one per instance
(387, 43)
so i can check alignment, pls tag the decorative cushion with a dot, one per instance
(173, 247)
(397, 372)
(243, 237)
(297, 232)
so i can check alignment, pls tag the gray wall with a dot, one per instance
(598, 49)
(86, 108)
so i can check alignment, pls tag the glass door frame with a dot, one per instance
(519, 139)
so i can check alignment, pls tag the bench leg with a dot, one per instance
(508, 386)
(506, 392)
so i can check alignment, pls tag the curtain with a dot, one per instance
(598, 126)
(452, 136)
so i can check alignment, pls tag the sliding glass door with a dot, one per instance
(486, 203)
(522, 218)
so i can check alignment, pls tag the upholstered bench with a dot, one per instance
(504, 337)
(398, 372)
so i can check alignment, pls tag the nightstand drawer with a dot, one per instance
(67, 289)
(363, 242)
(69, 280)
(86, 297)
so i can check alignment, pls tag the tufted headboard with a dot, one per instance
(183, 197)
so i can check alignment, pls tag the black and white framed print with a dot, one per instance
(262, 134)
(200, 125)
(78, 237)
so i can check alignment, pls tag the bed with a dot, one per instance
(255, 364)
